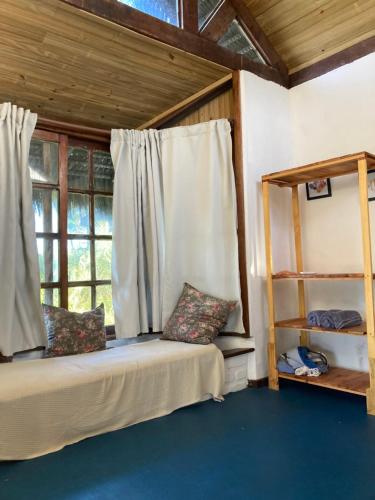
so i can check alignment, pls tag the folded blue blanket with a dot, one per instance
(334, 318)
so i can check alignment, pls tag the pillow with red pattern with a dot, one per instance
(74, 333)
(198, 317)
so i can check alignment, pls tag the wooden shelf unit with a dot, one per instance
(301, 324)
(341, 379)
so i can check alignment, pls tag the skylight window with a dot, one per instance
(205, 9)
(236, 40)
(166, 10)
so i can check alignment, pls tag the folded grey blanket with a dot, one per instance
(334, 318)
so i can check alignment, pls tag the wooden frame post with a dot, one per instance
(368, 280)
(304, 337)
(273, 376)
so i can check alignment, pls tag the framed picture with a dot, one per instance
(371, 185)
(320, 188)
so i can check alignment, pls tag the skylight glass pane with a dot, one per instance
(166, 10)
(205, 9)
(236, 40)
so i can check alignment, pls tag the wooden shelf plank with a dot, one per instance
(334, 167)
(340, 379)
(301, 324)
(318, 276)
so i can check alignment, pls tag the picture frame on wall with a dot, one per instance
(321, 188)
(371, 185)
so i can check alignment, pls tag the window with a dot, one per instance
(236, 40)
(166, 10)
(72, 201)
(205, 9)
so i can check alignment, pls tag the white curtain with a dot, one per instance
(175, 218)
(20, 313)
(138, 232)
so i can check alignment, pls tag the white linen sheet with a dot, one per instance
(50, 403)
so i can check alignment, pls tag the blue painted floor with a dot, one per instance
(300, 443)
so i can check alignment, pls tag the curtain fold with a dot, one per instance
(174, 220)
(138, 241)
(22, 326)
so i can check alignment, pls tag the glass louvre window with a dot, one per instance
(205, 9)
(73, 221)
(236, 40)
(166, 10)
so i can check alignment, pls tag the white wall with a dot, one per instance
(329, 116)
(267, 147)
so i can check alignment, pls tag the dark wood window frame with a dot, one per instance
(63, 284)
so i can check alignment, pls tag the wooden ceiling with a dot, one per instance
(306, 31)
(69, 65)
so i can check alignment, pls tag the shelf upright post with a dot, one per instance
(273, 376)
(368, 279)
(304, 336)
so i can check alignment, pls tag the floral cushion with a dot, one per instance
(74, 333)
(198, 317)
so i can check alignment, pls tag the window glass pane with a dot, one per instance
(44, 161)
(79, 299)
(166, 10)
(103, 259)
(78, 213)
(79, 261)
(48, 255)
(46, 210)
(104, 295)
(103, 171)
(236, 40)
(205, 9)
(50, 296)
(103, 215)
(78, 168)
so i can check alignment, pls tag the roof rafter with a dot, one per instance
(219, 20)
(259, 38)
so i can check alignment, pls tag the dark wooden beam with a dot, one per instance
(218, 22)
(335, 61)
(189, 15)
(192, 43)
(259, 39)
(238, 165)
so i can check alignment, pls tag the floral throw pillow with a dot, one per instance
(74, 333)
(198, 317)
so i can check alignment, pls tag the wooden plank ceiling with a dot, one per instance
(306, 31)
(68, 65)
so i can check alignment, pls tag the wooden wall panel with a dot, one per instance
(220, 107)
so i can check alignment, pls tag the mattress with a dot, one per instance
(49, 403)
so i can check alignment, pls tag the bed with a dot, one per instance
(47, 404)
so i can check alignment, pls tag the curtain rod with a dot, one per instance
(81, 131)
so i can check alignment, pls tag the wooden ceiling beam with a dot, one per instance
(335, 61)
(189, 15)
(218, 22)
(259, 39)
(182, 39)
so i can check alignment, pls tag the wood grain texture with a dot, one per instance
(286, 275)
(339, 379)
(301, 324)
(71, 66)
(304, 32)
(334, 167)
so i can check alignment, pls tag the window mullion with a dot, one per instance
(63, 181)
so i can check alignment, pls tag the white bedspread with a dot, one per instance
(47, 404)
